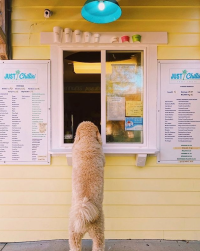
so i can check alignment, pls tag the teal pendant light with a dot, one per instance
(101, 11)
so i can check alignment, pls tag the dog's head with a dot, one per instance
(87, 129)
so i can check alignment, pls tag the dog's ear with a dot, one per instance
(99, 138)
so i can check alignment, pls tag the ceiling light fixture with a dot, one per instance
(101, 11)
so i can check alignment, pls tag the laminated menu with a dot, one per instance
(179, 116)
(24, 112)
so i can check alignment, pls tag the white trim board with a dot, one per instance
(106, 38)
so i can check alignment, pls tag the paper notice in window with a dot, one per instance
(134, 108)
(133, 124)
(115, 108)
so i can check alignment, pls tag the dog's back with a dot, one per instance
(87, 177)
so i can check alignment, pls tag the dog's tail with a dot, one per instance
(82, 213)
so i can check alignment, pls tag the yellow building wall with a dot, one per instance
(152, 202)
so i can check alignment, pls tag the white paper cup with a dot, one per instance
(96, 37)
(87, 36)
(68, 35)
(77, 34)
(57, 34)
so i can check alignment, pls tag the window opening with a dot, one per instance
(82, 90)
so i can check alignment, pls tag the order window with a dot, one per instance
(82, 90)
(122, 73)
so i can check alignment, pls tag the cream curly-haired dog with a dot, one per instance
(87, 188)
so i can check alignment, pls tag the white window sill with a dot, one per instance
(106, 150)
(141, 153)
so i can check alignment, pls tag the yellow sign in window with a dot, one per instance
(134, 108)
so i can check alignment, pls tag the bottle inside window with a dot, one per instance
(68, 135)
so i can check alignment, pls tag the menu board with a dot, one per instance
(179, 112)
(24, 112)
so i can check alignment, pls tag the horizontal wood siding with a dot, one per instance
(181, 19)
(152, 202)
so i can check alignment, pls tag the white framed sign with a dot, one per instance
(24, 112)
(178, 111)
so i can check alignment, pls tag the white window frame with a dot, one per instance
(150, 97)
(121, 147)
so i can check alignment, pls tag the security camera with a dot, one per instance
(47, 13)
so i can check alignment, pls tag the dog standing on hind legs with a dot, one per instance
(86, 213)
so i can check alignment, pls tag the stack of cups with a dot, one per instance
(57, 34)
(87, 36)
(77, 34)
(96, 37)
(68, 35)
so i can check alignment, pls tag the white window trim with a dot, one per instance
(149, 42)
(57, 133)
(121, 147)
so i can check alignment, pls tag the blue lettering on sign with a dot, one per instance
(193, 76)
(9, 76)
(26, 76)
(19, 75)
(185, 75)
(176, 76)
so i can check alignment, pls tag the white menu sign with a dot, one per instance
(24, 112)
(179, 112)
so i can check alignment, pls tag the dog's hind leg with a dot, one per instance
(96, 232)
(75, 241)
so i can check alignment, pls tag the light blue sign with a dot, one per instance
(18, 75)
(181, 76)
(133, 124)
